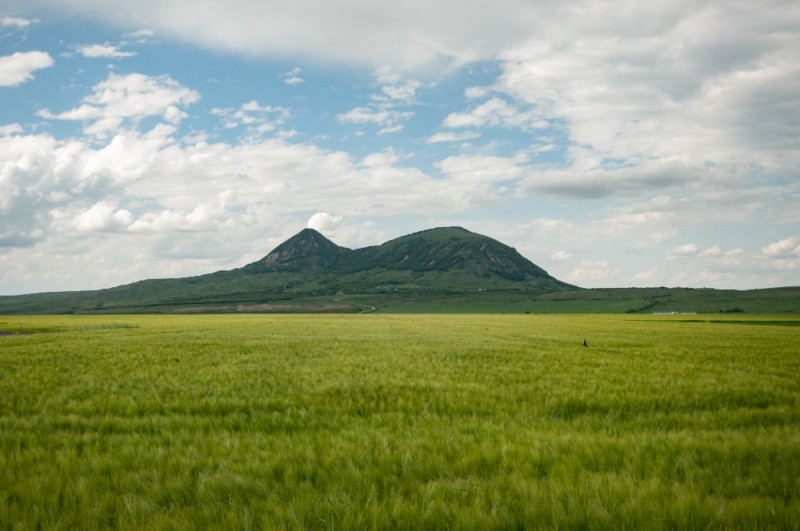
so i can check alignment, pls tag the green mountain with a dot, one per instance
(448, 260)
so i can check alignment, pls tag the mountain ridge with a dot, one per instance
(441, 249)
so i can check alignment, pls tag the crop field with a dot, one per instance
(400, 421)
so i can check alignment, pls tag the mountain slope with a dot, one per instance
(448, 249)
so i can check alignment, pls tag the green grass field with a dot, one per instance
(400, 421)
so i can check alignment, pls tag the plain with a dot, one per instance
(400, 421)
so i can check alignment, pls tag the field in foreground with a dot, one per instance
(393, 421)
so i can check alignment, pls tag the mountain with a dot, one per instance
(449, 260)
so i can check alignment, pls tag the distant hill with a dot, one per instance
(449, 260)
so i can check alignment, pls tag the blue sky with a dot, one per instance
(611, 143)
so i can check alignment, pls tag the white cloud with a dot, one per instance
(141, 34)
(714, 251)
(104, 51)
(257, 119)
(678, 88)
(413, 34)
(451, 136)
(560, 256)
(122, 99)
(682, 251)
(592, 272)
(497, 112)
(395, 87)
(325, 223)
(472, 93)
(50, 187)
(786, 248)
(363, 115)
(103, 216)
(384, 109)
(204, 217)
(15, 22)
(645, 277)
(19, 67)
(387, 117)
(482, 168)
(548, 224)
(10, 129)
(292, 77)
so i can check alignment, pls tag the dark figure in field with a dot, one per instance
(584, 342)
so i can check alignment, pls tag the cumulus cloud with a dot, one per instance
(103, 216)
(394, 86)
(786, 248)
(19, 67)
(50, 187)
(10, 129)
(325, 223)
(483, 168)
(388, 118)
(15, 22)
(682, 251)
(257, 119)
(497, 112)
(202, 218)
(451, 136)
(676, 87)
(103, 51)
(127, 99)
(561, 256)
(292, 77)
(45, 182)
(645, 277)
(592, 272)
(549, 224)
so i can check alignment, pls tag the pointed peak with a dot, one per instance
(309, 234)
(306, 248)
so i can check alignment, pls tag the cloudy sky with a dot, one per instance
(614, 143)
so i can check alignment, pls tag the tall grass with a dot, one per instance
(387, 421)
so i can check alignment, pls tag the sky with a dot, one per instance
(613, 143)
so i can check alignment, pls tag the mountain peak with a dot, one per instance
(306, 249)
(456, 249)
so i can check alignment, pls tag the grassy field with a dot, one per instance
(400, 421)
